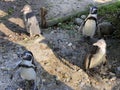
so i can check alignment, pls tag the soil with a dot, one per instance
(59, 55)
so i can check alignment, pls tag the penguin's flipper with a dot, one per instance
(81, 26)
(14, 69)
(28, 27)
(88, 58)
(105, 61)
(87, 61)
(13, 72)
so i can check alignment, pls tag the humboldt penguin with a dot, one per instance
(96, 56)
(89, 25)
(31, 22)
(28, 69)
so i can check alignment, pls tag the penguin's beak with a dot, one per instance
(95, 44)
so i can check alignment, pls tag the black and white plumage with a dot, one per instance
(28, 68)
(31, 21)
(97, 55)
(89, 25)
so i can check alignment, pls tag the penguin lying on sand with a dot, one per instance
(31, 22)
(89, 25)
(97, 56)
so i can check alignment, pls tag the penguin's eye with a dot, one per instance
(27, 56)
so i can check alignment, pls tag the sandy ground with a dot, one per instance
(59, 55)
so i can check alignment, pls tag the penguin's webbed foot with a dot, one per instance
(93, 74)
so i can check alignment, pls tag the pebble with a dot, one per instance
(10, 35)
(25, 39)
(68, 79)
(83, 16)
(80, 70)
(43, 80)
(78, 21)
(5, 68)
(4, 57)
(112, 74)
(70, 44)
(77, 27)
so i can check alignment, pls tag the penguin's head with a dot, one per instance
(27, 55)
(93, 10)
(100, 43)
(26, 9)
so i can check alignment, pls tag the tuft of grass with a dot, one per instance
(67, 25)
(10, 11)
(110, 13)
(109, 10)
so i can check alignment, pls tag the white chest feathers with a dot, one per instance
(28, 74)
(89, 28)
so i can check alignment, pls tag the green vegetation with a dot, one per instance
(67, 25)
(10, 11)
(109, 9)
(111, 13)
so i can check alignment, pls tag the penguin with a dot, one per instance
(28, 68)
(31, 22)
(89, 25)
(96, 56)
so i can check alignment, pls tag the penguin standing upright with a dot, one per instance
(28, 68)
(31, 22)
(97, 55)
(89, 25)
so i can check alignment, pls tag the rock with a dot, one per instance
(80, 70)
(83, 16)
(5, 57)
(112, 74)
(105, 28)
(77, 27)
(25, 39)
(78, 21)
(68, 79)
(70, 44)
